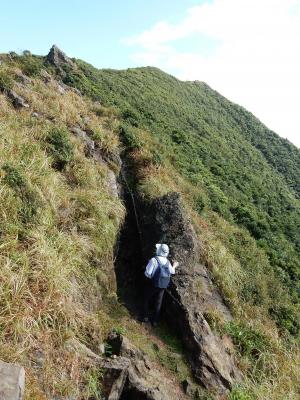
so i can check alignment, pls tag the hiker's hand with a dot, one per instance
(176, 263)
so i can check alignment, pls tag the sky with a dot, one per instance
(248, 50)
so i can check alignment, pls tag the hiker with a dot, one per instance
(159, 269)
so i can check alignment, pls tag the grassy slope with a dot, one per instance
(58, 231)
(240, 185)
(250, 175)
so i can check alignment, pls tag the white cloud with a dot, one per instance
(256, 63)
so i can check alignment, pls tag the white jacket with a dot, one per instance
(153, 264)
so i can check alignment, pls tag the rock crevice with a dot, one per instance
(191, 295)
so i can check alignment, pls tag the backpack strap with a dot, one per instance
(159, 263)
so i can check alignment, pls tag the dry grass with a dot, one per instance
(50, 267)
(56, 272)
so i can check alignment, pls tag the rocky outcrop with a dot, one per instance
(12, 381)
(130, 375)
(92, 150)
(24, 79)
(58, 58)
(89, 144)
(191, 295)
(17, 100)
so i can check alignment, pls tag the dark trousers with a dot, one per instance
(153, 300)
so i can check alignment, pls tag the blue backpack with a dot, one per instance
(162, 275)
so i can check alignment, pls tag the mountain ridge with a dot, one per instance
(196, 171)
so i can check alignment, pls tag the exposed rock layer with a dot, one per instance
(191, 294)
(130, 375)
(58, 58)
(12, 381)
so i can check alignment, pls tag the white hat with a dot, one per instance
(162, 249)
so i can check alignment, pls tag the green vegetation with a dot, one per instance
(219, 147)
(20, 186)
(60, 147)
(57, 235)
(30, 65)
(250, 343)
(6, 79)
(240, 185)
(240, 394)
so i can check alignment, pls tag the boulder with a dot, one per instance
(45, 76)
(73, 345)
(131, 375)
(12, 381)
(36, 115)
(189, 388)
(24, 79)
(17, 100)
(121, 346)
(191, 294)
(112, 183)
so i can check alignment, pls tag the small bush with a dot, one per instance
(108, 350)
(286, 319)
(252, 293)
(60, 147)
(240, 394)
(6, 80)
(250, 342)
(129, 138)
(19, 184)
(119, 330)
(130, 116)
(30, 65)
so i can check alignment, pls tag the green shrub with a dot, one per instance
(250, 342)
(179, 137)
(199, 204)
(130, 116)
(60, 147)
(129, 138)
(286, 319)
(238, 393)
(19, 184)
(30, 65)
(6, 80)
(108, 350)
(119, 330)
(252, 293)
(93, 378)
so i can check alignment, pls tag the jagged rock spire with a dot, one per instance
(57, 57)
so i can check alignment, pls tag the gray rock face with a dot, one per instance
(24, 79)
(45, 76)
(75, 346)
(12, 381)
(88, 142)
(91, 150)
(131, 375)
(17, 100)
(191, 295)
(58, 58)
